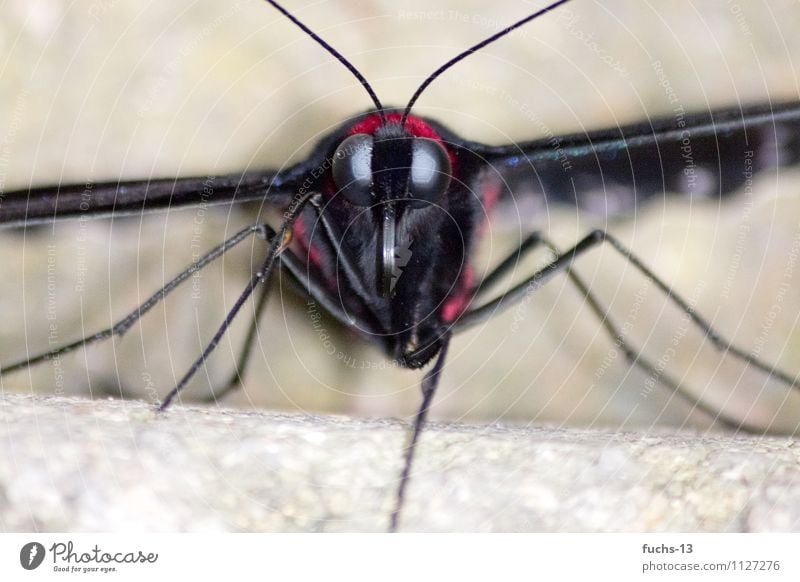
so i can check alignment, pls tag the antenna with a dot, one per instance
(471, 50)
(336, 54)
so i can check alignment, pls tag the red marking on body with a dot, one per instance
(301, 236)
(457, 304)
(490, 196)
(414, 125)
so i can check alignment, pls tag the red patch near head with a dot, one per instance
(491, 192)
(459, 302)
(300, 232)
(414, 125)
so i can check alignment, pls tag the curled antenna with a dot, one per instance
(473, 49)
(336, 54)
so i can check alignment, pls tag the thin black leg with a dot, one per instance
(528, 286)
(309, 281)
(716, 339)
(565, 260)
(277, 245)
(511, 261)
(429, 384)
(343, 259)
(235, 379)
(122, 326)
(635, 358)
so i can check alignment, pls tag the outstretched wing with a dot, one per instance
(613, 170)
(118, 198)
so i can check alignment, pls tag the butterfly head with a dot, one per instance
(394, 169)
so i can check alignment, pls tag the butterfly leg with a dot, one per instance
(278, 244)
(529, 244)
(234, 381)
(632, 354)
(431, 380)
(429, 384)
(563, 262)
(635, 357)
(529, 285)
(122, 326)
(306, 280)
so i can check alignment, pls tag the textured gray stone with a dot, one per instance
(80, 465)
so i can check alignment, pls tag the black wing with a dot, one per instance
(118, 198)
(612, 170)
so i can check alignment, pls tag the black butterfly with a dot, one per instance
(380, 222)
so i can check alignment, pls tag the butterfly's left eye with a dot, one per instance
(430, 172)
(352, 169)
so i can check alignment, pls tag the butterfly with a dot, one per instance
(554, 182)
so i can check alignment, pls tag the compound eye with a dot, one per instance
(430, 172)
(352, 169)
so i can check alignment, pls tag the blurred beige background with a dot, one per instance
(97, 90)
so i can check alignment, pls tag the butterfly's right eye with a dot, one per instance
(352, 169)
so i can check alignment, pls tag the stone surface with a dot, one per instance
(79, 465)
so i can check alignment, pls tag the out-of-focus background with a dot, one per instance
(110, 88)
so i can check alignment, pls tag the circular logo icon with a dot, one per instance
(31, 555)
